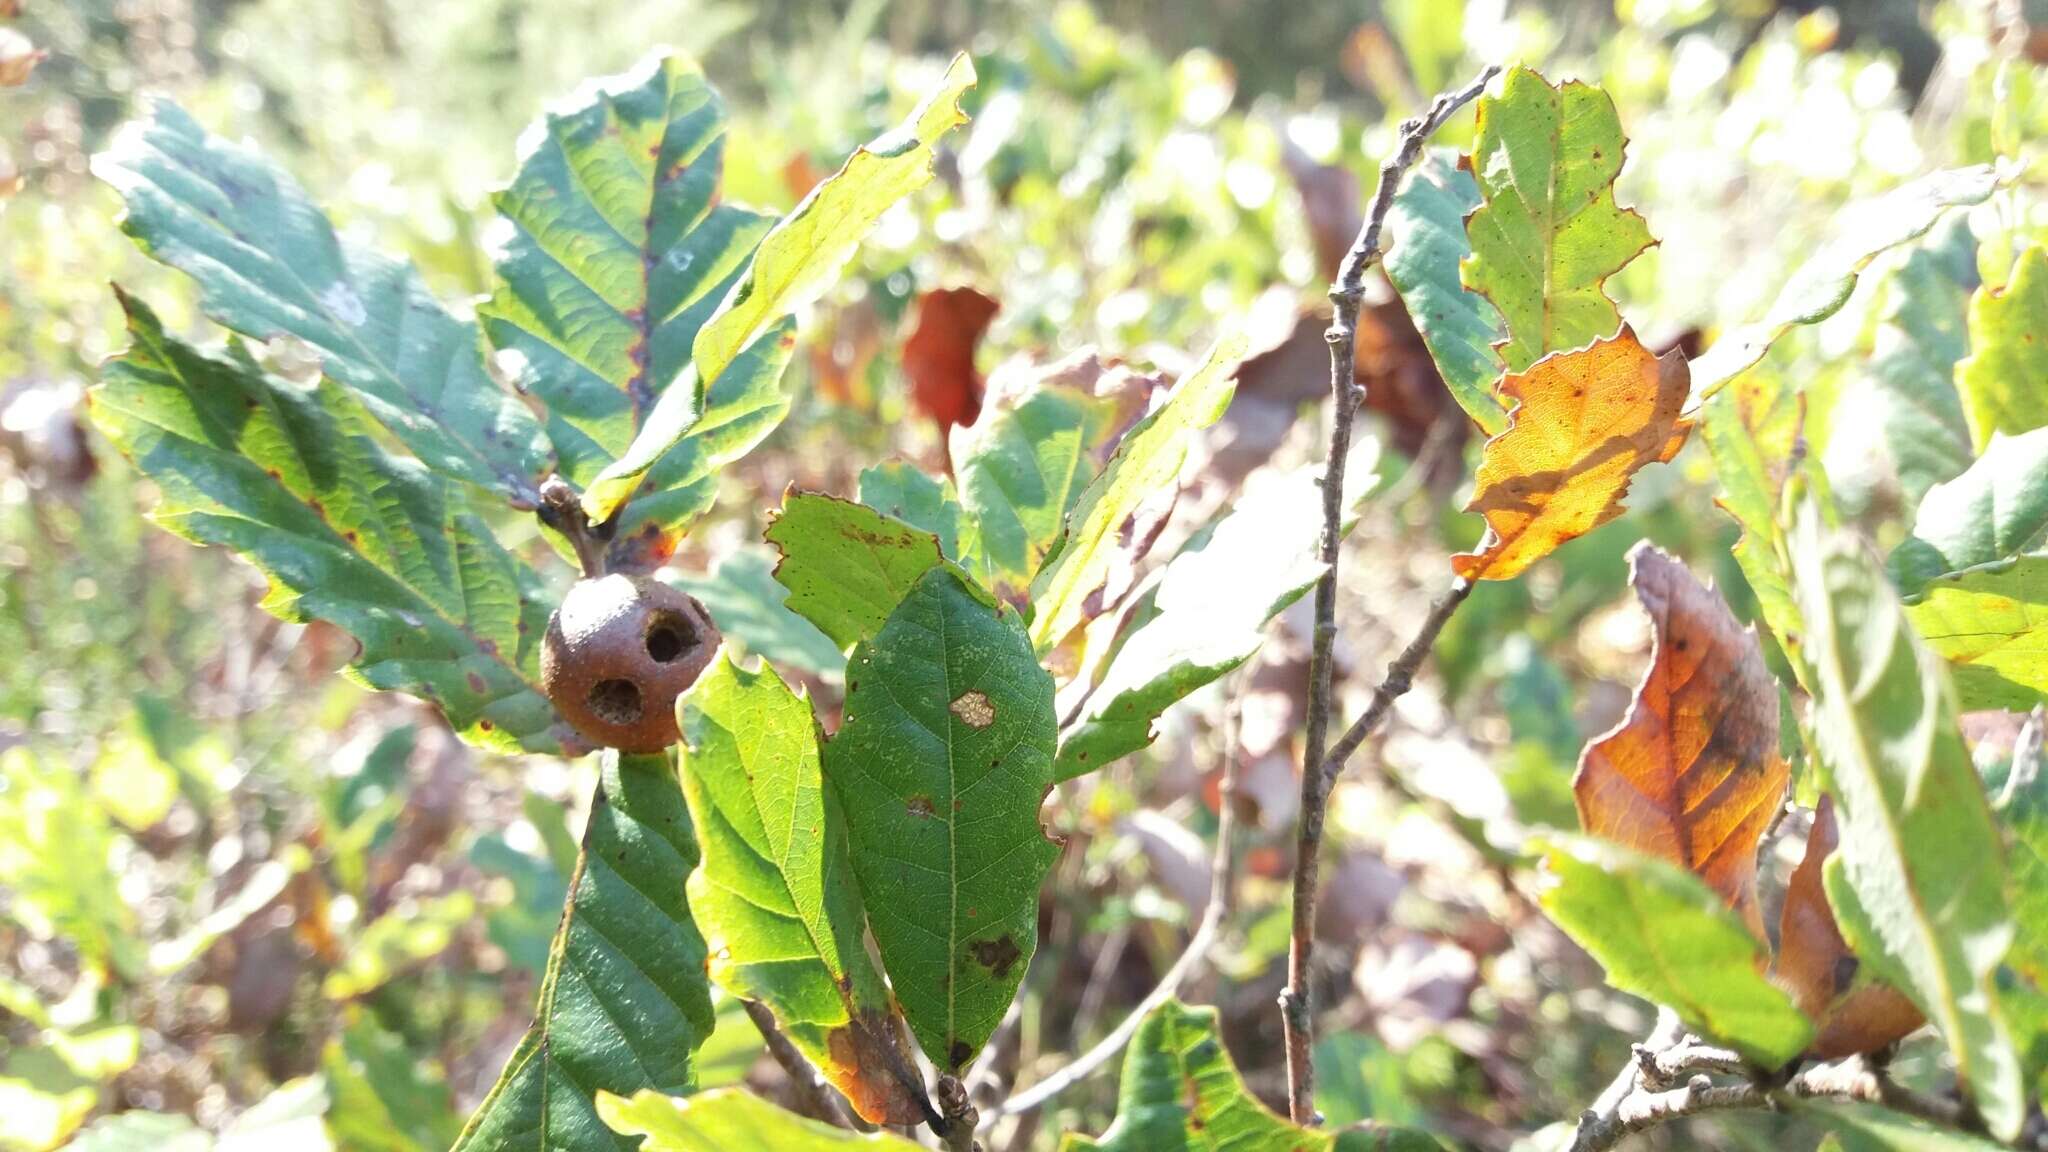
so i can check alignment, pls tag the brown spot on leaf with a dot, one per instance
(859, 1056)
(974, 709)
(998, 955)
(920, 807)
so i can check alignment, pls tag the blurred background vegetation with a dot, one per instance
(240, 891)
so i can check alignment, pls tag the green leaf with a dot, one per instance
(1181, 1093)
(1147, 461)
(1820, 286)
(395, 943)
(796, 261)
(846, 565)
(1209, 616)
(1460, 327)
(268, 264)
(1024, 465)
(625, 1003)
(1995, 510)
(730, 1119)
(57, 863)
(775, 894)
(1548, 233)
(290, 1117)
(386, 1098)
(2001, 380)
(1855, 1127)
(1901, 408)
(2024, 812)
(744, 405)
(616, 251)
(294, 479)
(142, 1132)
(1991, 623)
(1916, 882)
(904, 492)
(749, 606)
(1662, 934)
(1753, 431)
(940, 764)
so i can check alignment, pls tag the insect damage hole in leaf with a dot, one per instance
(974, 709)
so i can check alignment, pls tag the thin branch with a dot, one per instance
(1297, 1010)
(814, 1095)
(1347, 294)
(1671, 1077)
(961, 1119)
(560, 507)
(1222, 893)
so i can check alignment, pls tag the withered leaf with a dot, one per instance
(1584, 422)
(938, 356)
(1692, 774)
(1853, 1012)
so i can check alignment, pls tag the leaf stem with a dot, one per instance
(1347, 294)
(561, 508)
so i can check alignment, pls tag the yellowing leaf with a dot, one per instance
(1693, 774)
(2002, 381)
(1584, 423)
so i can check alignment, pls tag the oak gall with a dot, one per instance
(618, 652)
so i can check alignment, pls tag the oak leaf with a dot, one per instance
(1692, 774)
(1815, 965)
(1584, 422)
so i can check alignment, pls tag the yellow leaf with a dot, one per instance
(1584, 422)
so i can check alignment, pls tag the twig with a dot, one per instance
(814, 1094)
(560, 507)
(1296, 1007)
(1671, 1077)
(1222, 893)
(956, 1134)
(1346, 295)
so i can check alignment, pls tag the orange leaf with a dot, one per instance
(1583, 423)
(1692, 775)
(1815, 967)
(939, 355)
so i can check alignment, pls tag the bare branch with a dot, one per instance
(814, 1095)
(1671, 1077)
(1346, 295)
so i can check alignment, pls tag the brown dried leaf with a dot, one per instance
(1584, 422)
(938, 356)
(1815, 967)
(1692, 775)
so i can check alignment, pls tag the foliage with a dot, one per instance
(998, 766)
